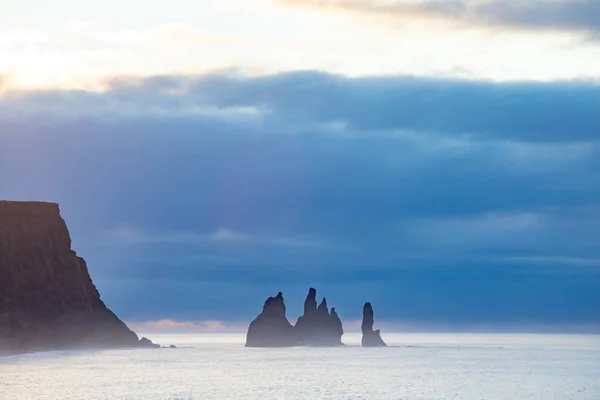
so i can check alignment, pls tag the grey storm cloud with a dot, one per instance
(570, 15)
(421, 191)
(524, 111)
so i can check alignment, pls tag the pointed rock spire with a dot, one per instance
(271, 328)
(370, 338)
(336, 323)
(310, 304)
(316, 327)
(323, 306)
(275, 305)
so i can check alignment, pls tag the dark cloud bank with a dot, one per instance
(567, 15)
(443, 202)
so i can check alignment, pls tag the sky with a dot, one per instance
(440, 159)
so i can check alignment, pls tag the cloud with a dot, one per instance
(454, 197)
(78, 25)
(473, 231)
(564, 111)
(168, 325)
(166, 34)
(227, 235)
(125, 235)
(554, 14)
(569, 15)
(19, 37)
(593, 262)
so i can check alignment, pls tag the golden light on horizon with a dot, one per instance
(80, 49)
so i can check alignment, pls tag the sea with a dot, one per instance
(413, 367)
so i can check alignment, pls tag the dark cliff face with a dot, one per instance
(47, 298)
(317, 327)
(370, 338)
(271, 328)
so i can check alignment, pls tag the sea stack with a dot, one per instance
(370, 338)
(47, 298)
(271, 328)
(317, 326)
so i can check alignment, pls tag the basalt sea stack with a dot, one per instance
(316, 327)
(47, 298)
(370, 337)
(271, 328)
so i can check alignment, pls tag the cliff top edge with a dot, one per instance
(8, 207)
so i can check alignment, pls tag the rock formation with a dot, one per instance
(271, 328)
(370, 337)
(47, 298)
(317, 326)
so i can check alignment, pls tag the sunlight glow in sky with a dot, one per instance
(68, 43)
(440, 158)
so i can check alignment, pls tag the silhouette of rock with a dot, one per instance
(310, 304)
(336, 324)
(145, 342)
(317, 327)
(370, 337)
(47, 298)
(271, 328)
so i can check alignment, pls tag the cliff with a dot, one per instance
(370, 338)
(316, 327)
(47, 298)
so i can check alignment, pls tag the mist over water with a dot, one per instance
(414, 367)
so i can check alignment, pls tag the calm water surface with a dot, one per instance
(414, 367)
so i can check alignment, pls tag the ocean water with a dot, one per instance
(414, 367)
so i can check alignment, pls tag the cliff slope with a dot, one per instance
(47, 298)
